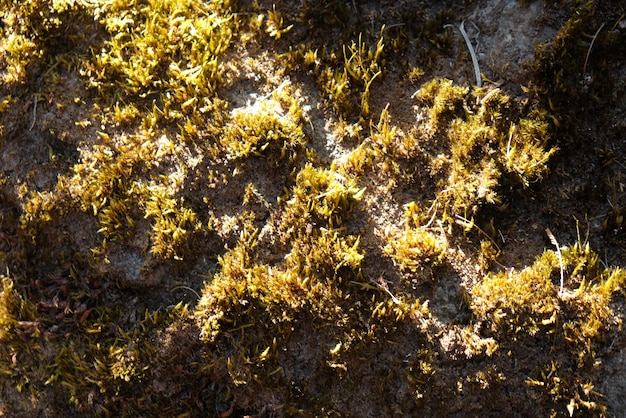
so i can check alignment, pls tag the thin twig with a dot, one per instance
(591, 46)
(268, 95)
(619, 22)
(558, 253)
(382, 284)
(395, 25)
(464, 222)
(432, 218)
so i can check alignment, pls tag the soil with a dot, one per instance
(582, 198)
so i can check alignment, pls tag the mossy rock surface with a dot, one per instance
(252, 208)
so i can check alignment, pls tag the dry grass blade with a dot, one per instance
(558, 253)
(34, 118)
(591, 46)
(479, 82)
(186, 288)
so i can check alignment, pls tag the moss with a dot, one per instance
(321, 197)
(171, 222)
(311, 286)
(272, 126)
(106, 185)
(443, 98)
(15, 311)
(419, 244)
(319, 259)
(20, 338)
(514, 304)
(346, 75)
(524, 302)
(528, 301)
(162, 46)
(488, 135)
(579, 65)
(36, 30)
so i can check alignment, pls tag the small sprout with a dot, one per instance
(416, 74)
(383, 134)
(336, 348)
(275, 24)
(263, 356)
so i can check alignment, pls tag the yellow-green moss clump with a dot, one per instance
(271, 126)
(15, 312)
(489, 135)
(161, 46)
(514, 305)
(346, 74)
(319, 259)
(419, 244)
(529, 301)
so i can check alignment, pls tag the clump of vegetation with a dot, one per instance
(419, 244)
(161, 46)
(444, 99)
(528, 301)
(15, 312)
(488, 134)
(271, 126)
(519, 301)
(319, 258)
(19, 338)
(320, 197)
(265, 303)
(36, 30)
(513, 305)
(108, 184)
(344, 74)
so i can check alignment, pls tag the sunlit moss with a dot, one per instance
(319, 259)
(554, 384)
(517, 304)
(321, 197)
(443, 98)
(528, 301)
(489, 135)
(162, 144)
(346, 75)
(32, 30)
(171, 222)
(271, 126)
(162, 45)
(19, 48)
(519, 301)
(9, 307)
(419, 245)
